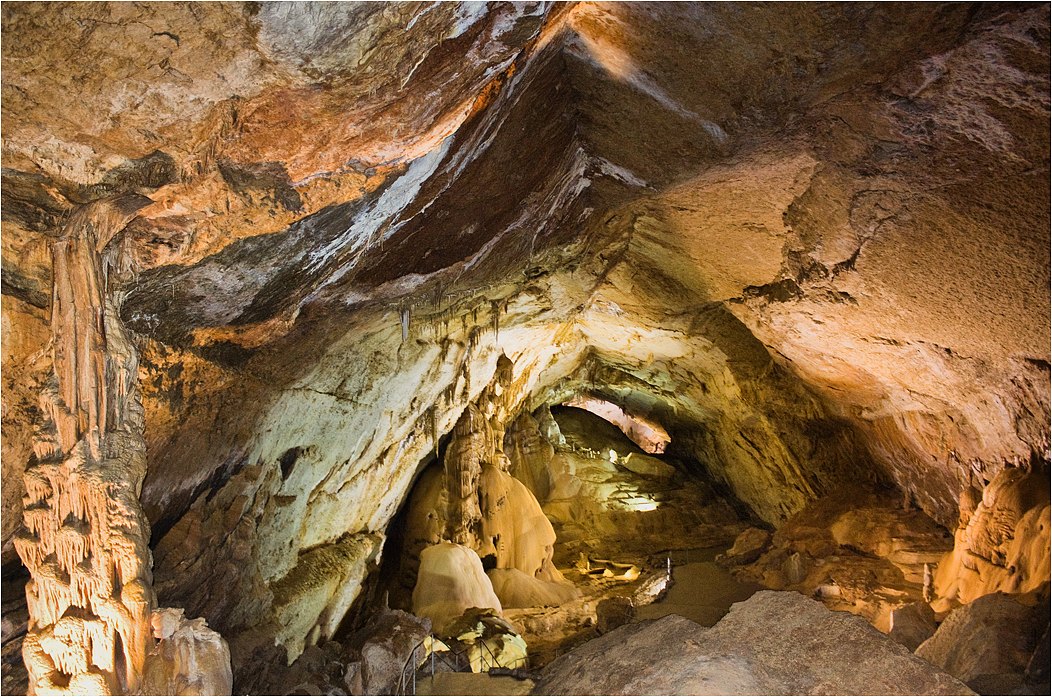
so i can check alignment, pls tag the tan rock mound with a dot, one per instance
(988, 643)
(773, 643)
(451, 580)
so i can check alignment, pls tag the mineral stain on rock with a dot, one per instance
(295, 292)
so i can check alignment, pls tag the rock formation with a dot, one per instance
(1002, 540)
(451, 580)
(773, 643)
(85, 539)
(264, 263)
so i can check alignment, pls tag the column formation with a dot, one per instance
(85, 538)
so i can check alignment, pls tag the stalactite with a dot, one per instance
(404, 315)
(433, 413)
(474, 338)
(82, 519)
(495, 319)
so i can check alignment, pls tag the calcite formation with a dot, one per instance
(86, 539)
(265, 263)
(474, 507)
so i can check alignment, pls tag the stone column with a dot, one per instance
(85, 539)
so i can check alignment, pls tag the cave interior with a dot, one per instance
(342, 341)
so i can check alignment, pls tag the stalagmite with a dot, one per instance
(85, 539)
(463, 465)
(482, 507)
(90, 608)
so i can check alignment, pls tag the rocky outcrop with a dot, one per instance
(855, 551)
(990, 642)
(1002, 540)
(809, 241)
(773, 643)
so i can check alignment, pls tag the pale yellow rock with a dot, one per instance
(311, 600)
(450, 581)
(1002, 545)
(189, 658)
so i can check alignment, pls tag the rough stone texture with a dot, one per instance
(390, 644)
(856, 551)
(989, 642)
(912, 625)
(747, 547)
(773, 643)
(611, 613)
(312, 599)
(811, 241)
(1002, 542)
(189, 658)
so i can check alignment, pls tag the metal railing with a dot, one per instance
(454, 661)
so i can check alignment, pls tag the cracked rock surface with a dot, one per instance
(810, 241)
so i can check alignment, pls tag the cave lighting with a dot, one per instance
(649, 436)
(641, 503)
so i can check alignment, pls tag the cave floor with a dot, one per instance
(702, 591)
(472, 684)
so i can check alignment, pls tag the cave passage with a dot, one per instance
(564, 327)
(620, 522)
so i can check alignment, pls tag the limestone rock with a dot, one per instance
(516, 589)
(189, 658)
(988, 643)
(701, 212)
(612, 613)
(1001, 544)
(855, 550)
(530, 454)
(773, 643)
(391, 646)
(747, 547)
(312, 599)
(912, 625)
(450, 581)
(486, 641)
(648, 466)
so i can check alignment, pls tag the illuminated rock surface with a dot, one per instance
(773, 643)
(810, 242)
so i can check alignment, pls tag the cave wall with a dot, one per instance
(810, 240)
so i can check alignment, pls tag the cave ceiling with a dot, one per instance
(813, 239)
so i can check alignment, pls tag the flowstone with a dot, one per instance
(85, 538)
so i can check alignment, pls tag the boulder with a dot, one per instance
(912, 624)
(988, 643)
(390, 645)
(747, 548)
(773, 643)
(612, 613)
